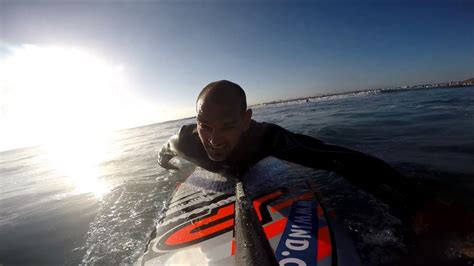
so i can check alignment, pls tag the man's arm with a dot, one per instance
(362, 170)
(375, 176)
(169, 150)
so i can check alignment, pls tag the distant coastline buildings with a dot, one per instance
(450, 84)
(467, 82)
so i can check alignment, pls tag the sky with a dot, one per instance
(87, 67)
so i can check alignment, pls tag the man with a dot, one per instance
(226, 139)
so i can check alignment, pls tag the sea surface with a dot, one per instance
(104, 211)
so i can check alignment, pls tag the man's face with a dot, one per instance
(220, 127)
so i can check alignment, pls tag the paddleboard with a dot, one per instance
(198, 225)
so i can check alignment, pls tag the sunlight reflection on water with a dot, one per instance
(77, 156)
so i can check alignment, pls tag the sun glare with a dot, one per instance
(68, 97)
(70, 100)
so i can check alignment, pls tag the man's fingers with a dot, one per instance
(467, 249)
(169, 166)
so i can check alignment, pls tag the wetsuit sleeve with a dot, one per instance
(168, 151)
(185, 144)
(181, 144)
(362, 170)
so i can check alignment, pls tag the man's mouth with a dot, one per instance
(217, 148)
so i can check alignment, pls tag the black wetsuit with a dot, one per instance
(266, 139)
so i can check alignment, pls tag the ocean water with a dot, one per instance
(51, 216)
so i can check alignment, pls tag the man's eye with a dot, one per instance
(204, 126)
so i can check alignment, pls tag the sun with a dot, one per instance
(66, 98)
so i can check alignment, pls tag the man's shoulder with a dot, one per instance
(264, 126)
(187, 131)
(265, 133)
(187, 139)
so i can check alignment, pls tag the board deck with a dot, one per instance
(198, 226)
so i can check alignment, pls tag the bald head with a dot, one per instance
(223, 93)
(222, 117)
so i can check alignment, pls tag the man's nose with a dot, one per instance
(215, 138)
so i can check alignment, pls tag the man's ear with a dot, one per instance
(247, 119)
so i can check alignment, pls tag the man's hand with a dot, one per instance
(168, 166)
(441, 227)
(167, 152)
(164, 158)
(440, 217)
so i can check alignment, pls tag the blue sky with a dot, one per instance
(169, 50)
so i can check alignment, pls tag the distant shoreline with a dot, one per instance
(367, 91)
